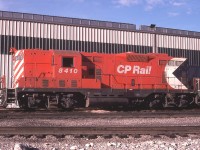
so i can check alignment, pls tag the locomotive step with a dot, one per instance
(10, 89)
(13, 101)
(11, 98)
(11, 93)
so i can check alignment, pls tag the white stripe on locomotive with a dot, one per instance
(17, 54)
(18, 67)
(19, 74)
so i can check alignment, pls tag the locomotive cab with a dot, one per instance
(69, 67)
(51, 79)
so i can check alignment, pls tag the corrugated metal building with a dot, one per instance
(22, 30)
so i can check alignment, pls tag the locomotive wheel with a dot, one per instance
(183, 103)
(155, 104)
(197, 100)
(67, 103)
(22, 104)
(168, 101)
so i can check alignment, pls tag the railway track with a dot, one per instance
(98, 114)
(103, 123)
(100, 131)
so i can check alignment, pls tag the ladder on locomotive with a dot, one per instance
(7, 95)
(2, 91)
(10, 95)
(196, 84)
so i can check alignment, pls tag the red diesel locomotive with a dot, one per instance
(71, 79)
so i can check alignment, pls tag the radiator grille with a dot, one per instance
(45, 83)
(74, 83)
(140, 58)
(98, 74)
(62, 83)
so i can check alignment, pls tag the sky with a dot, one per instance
(176, 14)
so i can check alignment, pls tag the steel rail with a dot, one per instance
(100, 130)
(107, 115)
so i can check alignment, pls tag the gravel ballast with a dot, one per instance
(136, 122)
(69, 142)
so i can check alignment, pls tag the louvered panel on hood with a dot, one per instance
(137, 58)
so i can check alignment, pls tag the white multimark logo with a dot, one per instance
(124, 69)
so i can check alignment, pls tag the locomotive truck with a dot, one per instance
(68, 79)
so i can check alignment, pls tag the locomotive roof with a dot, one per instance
(71, 52)
(125, 54)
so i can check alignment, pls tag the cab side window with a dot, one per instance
(67, 62)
